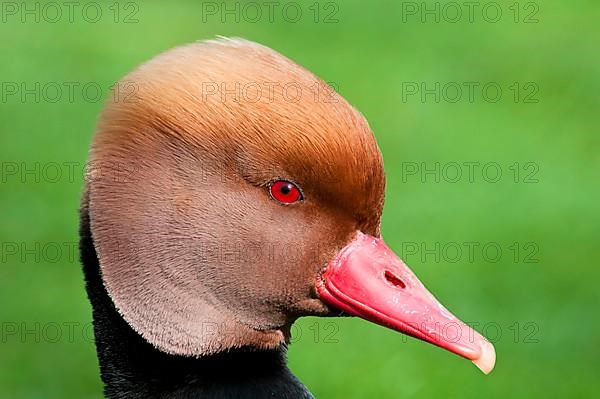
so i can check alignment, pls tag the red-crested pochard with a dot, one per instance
(229, 192)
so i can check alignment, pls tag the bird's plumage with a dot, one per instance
(195, 271)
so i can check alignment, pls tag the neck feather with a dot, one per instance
(132, 368)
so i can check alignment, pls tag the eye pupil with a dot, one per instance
(286, 189)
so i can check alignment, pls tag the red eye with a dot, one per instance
(285, 192)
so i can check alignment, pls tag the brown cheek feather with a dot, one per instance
(195, 255)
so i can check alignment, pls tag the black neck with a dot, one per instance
(132, 368)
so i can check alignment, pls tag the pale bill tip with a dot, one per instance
(487, 360)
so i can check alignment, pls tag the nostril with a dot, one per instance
(389, 276)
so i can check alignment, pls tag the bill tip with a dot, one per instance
(487, 360)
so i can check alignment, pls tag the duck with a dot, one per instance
(227, 194)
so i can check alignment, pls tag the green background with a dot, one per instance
(539, 305)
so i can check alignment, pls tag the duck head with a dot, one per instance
(230, 192)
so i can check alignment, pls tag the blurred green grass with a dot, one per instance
(368, 54)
